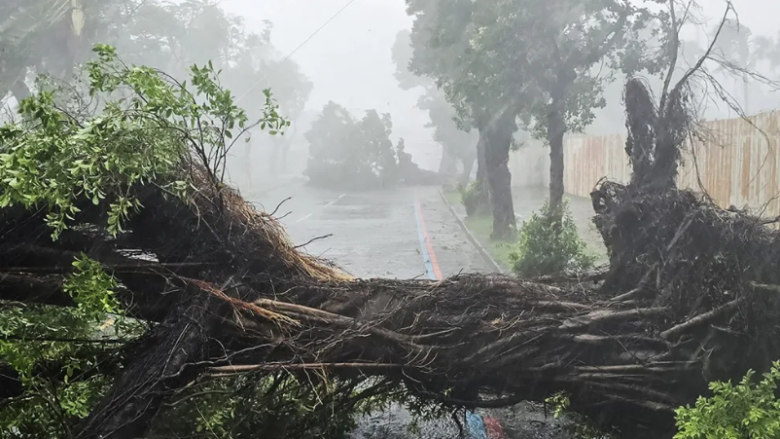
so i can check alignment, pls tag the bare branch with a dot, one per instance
(673, 49)
(706, 56)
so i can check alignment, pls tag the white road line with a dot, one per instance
(329, 204)
(301, 219)
(340, 197)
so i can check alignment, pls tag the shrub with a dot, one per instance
(475, 198)
(747, 410)
(549, 245)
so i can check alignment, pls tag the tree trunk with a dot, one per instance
(468, 166)
(165, 361)
(499, 178)
(556, 128)
(448, 164)
(481, 166)
(642, 124)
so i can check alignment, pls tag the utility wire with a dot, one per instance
(300, 45)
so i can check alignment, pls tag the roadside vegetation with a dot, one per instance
(550, 244)
(545, 245)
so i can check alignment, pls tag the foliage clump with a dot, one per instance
(349, 153)
(550, 244)
(747, 410)
(61, 158)
(83, 155)
(61, 359)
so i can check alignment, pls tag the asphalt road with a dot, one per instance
(375, 233)
(399, 233)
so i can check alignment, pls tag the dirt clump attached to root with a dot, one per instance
(716, 269)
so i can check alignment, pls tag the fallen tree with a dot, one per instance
(628, 346)
(689, 297)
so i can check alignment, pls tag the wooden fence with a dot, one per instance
(736, 162)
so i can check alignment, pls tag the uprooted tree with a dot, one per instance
(222, 305)
(346, 153)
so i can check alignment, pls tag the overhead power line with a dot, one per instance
(309, 38)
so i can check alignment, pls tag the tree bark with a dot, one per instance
(499, 178)
(166, 361)
(641, 125)
(556, 128)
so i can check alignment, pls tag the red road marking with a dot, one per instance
(428, 246)
(493, 427)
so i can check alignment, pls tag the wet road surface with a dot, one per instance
(375, 233)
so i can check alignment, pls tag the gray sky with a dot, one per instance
(349, 59)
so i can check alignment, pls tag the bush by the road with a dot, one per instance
(550, 244)
(475, 198)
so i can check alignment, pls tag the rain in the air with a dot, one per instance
(389, 219)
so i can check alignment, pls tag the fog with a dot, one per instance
(349, 62)
(348, 59)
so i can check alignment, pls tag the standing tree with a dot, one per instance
(566, 39)
(449, 44)
(50, 37)
(457, 143)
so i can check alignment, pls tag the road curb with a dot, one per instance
(473, 239)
